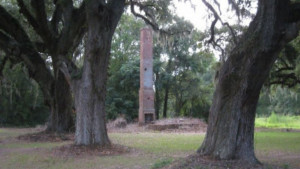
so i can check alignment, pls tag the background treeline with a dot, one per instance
(184, 77)
(21, 101)
(183, 73)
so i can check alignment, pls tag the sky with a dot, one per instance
(198, 14)
(194, 14)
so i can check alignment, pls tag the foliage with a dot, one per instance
(21, 101)
(180, 65)
(188, 74)
(123, 81)
(280, 100)
(286, 70)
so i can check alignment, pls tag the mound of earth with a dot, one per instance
(179, 125)
(163, 125)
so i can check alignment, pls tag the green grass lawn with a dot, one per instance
(278, 121)
(160, 143)
(150, 150)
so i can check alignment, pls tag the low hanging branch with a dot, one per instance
(73, 20)
(218, 18)
(40, 26)
(149, 19)
(2, 65)
(151, 23)
(290, 80)
(11, 26)
(284, 70)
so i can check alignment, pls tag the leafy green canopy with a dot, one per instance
(21, 101)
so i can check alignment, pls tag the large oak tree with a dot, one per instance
(230, 133)
(59, 33)
(102, 18)
(53, 29)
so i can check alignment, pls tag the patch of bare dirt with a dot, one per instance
(180, 125)
(46, 137)
(196, 161)
(82, 151)
(130, 128)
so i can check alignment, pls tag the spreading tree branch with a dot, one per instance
(40, 28)
(218, 18)
(35, 64)
(72, 34)
(11, 26)
(41, 17)
(149, 22)
(148, 19)
(279, 70)
(289, 80)
(41, 47)
(2, 65)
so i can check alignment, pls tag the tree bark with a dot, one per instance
(157, 101)
(166, 100)
(61, 117)
(55, 88)
(230, 132)
(90, 90)
(90, 101)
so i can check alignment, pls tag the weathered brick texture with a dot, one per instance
(146, 93)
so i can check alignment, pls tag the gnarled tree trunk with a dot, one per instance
(90, 90)
(90, 101)
(157, 100)
(15, 42)
(61, 117)
(166, 99)
(230, 133)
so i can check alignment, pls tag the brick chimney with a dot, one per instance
(146, 92)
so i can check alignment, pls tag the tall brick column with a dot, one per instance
(146, 93)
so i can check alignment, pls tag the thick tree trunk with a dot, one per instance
(230, 133)
(178, 103)
(61, 117)
(55, 88)
(157, 101)
(90, 90)
(90, 102)
(166, 101)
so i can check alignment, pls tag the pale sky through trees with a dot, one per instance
(197, 13)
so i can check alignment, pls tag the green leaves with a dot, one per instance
(286, 70)
(123, 81)
(21, 101)
(184, 67)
